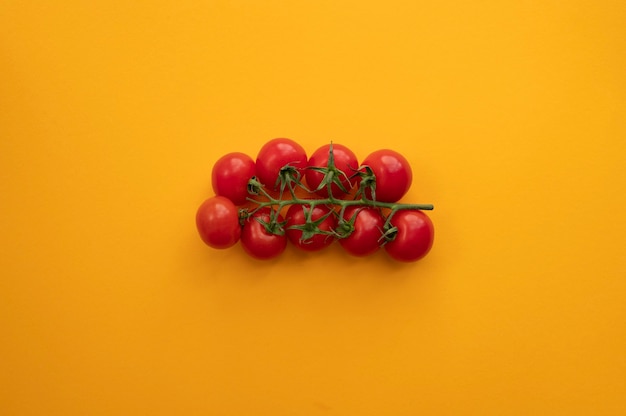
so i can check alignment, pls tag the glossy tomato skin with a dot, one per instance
(366, 235)
(217, 221)
(274, 155)
(393, 175)
(414, 238)
(345, 161)
(257, 241)
(231, 174)
(295, 216)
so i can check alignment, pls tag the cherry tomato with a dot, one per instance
(275, 155)
(231, 174)
(345, 161)
(414, 237)
(393, 175)
(366, 230)
(257, 241)
(303, 237)
(217, 220)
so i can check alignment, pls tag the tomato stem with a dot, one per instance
(290, 179)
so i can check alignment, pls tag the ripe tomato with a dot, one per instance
(257, 241)
(367, 229)
(302, 234)
(393, 175)
(414, 237)
(231, 174)
(217, 220)
(345, 161)
(275, 155)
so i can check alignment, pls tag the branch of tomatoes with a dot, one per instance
(314, 201)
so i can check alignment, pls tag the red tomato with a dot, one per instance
(257, 241)
(414, 237)
(274, 156)
(231, 174)
(393, 175)
(366, 230)
(345, 161)
(217, 220)
(321, 218)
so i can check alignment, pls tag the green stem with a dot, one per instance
(393, 206)
(331, 176)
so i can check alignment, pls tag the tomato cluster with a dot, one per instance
(259, 203)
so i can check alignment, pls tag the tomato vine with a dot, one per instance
(373, 218)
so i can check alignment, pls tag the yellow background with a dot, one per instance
(512, 114)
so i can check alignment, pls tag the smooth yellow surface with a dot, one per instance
(512, 114)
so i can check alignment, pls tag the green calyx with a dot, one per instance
(368, 182)
(289, 177)
(389, 233)
(311, 227)
(345, 227)
(332, 175)
(272, 226)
